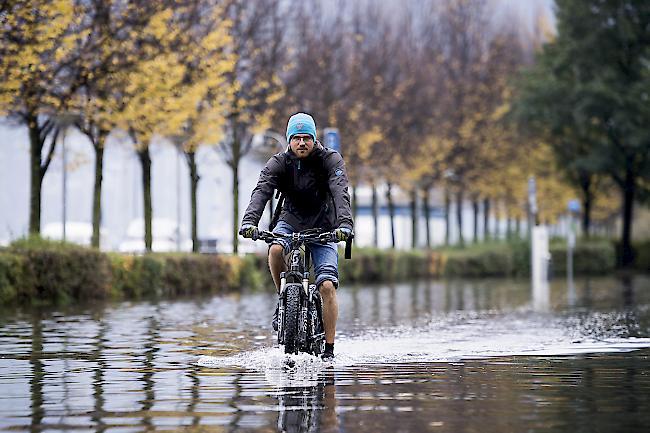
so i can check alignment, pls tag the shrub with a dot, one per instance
(588, 258)
(198, 274)
(254, 273)
(496, 262)
(437, 262)
(642, 256)
(14, 280)
(136, 276)
(520, 261)
(372, 265)
(62, 272)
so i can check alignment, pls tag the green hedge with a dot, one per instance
(39, 271)
(588, 258)
(55, 271)
(481, 263)
(513, 259)
(642, 256)
(135, 276)
(373, 265)
(172, 275)
(34, 271)
(15, 283)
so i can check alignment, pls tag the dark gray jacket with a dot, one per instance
(315, 190)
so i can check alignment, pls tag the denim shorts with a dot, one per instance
(325, 257)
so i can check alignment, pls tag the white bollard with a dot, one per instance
(540, 257)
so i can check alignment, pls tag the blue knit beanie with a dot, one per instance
(301, 123)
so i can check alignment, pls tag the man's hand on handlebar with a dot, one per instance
(249, 231)
(342, 234)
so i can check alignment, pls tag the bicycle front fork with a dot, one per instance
(281, 307)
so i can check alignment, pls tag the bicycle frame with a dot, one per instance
(309, 335)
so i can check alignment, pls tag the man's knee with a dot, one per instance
(327, 289)
(276, 252)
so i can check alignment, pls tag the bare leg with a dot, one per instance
(277, 264)
(330, 309)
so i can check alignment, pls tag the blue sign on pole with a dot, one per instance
(332, 139)
(574, 206)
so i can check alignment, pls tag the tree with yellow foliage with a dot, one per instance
(258, 31)
(175, 90)
(209, 62)
(39, 73)
(98, 102)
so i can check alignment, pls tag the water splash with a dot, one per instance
(453, 337)
(280, 370)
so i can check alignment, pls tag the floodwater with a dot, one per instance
(438, 356)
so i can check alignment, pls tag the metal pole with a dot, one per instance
(64, 185)
(569, 256)
(178, 200)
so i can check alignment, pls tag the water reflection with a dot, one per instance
(36, 380)
(309, 409)
(407, 361)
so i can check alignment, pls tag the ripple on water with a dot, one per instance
(446, 339)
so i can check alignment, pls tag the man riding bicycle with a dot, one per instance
(314, 184)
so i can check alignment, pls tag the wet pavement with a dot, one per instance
(456, 356)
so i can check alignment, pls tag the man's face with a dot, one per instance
(301, 145)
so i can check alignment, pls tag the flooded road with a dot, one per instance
(457, 356)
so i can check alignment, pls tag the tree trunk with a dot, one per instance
(375, 217)
(518, 228)
(235, 206)
(459, 217)
(586, 217)
(508, 226)
(391, 212)
(586, 186)
(145, 162)
(427, 213)
(475, 211)
(190, 157)
(355, 208)
(234, 166)
(586, 214)
(486, 219)
(414, 219)
(447, 216)
(629, 191)
(98, 145)
(36, 180)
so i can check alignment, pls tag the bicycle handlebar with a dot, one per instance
(304, 236)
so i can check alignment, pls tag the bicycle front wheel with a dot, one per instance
(291, 313)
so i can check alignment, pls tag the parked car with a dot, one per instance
(75, 231)
(166, 237)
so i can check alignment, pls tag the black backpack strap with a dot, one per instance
(278, 210)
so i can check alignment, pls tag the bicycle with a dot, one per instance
(300, 310)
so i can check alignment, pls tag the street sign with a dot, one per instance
(332, 139)
(574, 205)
